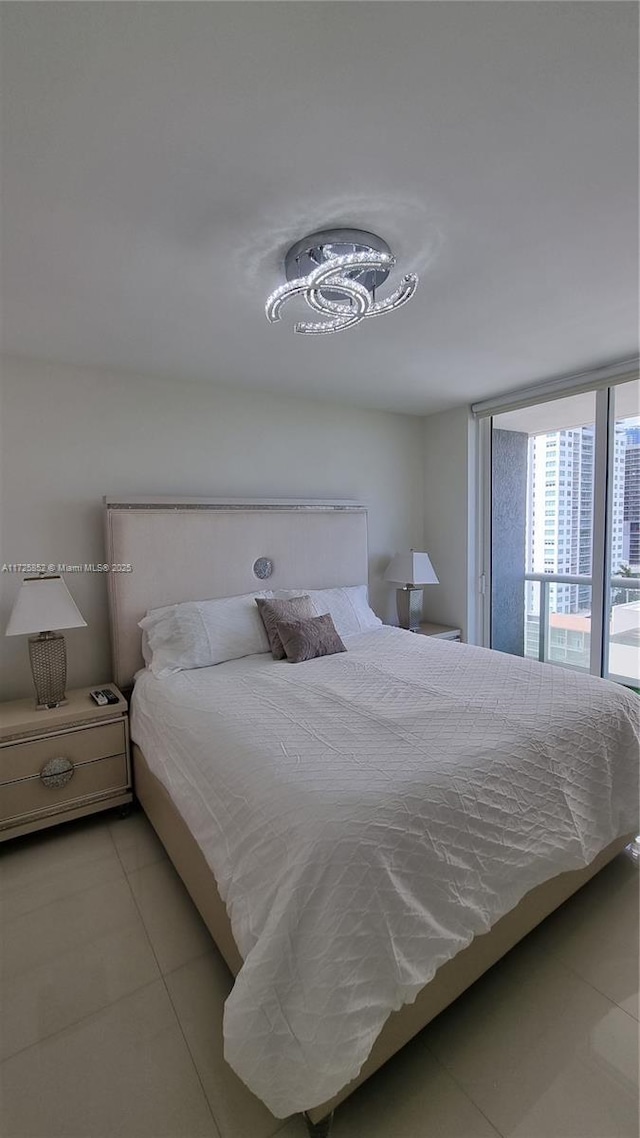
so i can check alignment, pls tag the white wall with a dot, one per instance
(71, 435)
(449, 511)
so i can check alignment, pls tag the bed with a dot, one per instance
(323, 815)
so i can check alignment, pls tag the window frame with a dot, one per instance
(604, 471)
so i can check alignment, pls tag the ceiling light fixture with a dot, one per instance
(337, 272)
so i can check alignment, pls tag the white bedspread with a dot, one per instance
(367, 814)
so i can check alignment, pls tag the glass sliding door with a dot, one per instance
(565, 532)
(542, 530)
(622, 639)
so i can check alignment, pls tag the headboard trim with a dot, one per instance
(227, 504)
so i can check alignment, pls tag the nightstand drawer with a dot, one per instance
(31, 796)
(25, 760)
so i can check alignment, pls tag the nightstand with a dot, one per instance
(62, 763)
(440, 631)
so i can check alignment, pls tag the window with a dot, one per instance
(569, 522)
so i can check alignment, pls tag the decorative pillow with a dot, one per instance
(271, 611)
(197, 634)
(348, 606)
(308, 639)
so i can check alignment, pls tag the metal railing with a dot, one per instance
(630, 585)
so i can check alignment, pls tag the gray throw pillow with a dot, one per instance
(271, 611)
(308, 639)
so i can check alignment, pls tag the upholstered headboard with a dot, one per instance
(185, 549)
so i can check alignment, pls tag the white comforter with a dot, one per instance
(367, 814)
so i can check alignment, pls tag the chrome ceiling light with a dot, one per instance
(337, 272)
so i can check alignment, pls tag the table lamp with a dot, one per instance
(45, 603)
(415, 570)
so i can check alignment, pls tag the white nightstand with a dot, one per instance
(440, 631)
(62, 763)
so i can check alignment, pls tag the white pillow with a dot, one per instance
(348, 606)
(198, 634)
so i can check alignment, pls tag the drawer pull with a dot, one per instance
(57, 773)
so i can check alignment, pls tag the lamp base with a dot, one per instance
(409, 601)
(48, 659)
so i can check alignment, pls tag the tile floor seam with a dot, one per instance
(590, 984)
(139, 912)
(107, 819)
(191, 1056)
(599, 990)
(144, 925)
(81, 1019)
(163, 856)
(87, 1015)
(74, 893)
(173, 1007)
(96, 938)
(462, 1089)
(578, 976)
(122, 865)
(166, 977)
(198, 955)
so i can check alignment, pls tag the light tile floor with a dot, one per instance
(111, 1009)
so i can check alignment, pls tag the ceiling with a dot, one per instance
(159, 159)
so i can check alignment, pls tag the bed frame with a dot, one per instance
(187, 549)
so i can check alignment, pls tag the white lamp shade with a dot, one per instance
(43, 604)
(411, 568)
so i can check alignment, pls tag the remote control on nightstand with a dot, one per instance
(103, 696)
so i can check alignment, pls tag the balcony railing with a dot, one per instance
(566, 640)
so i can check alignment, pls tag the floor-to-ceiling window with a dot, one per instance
(564, 531)
(622, 626)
